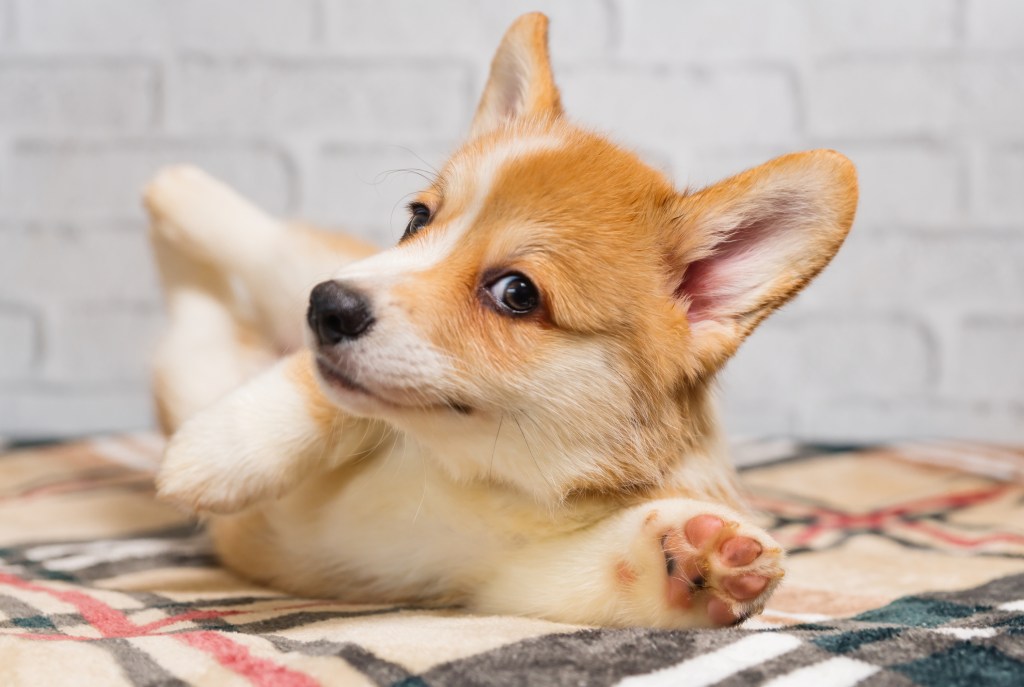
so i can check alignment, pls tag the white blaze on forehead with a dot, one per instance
(387, 266)
(476, 173)
(473, 175)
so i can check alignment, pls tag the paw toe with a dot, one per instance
(745, 587)
(739, 551)
(702, 529)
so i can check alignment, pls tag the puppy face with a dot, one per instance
(534, 294)
(556, 308)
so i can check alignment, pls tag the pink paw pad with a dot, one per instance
(709, 564)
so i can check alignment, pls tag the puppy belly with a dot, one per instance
(391, 530)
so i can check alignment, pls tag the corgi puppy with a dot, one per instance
(510, 409)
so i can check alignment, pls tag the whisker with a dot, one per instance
(329, 442)
(423, 493)
(387, 459)
(422, 173)
(388, 431)
(418, 157)
(530, 450)
(490, 468)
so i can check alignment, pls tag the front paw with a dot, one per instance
(700, 564)
(719, 566)
(200, 480)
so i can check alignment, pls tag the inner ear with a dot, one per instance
(747, 245)
(731, 277)
(520, 83)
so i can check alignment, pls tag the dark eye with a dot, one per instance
(516, 293)
(420, 218)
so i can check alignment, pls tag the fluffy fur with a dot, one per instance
(565, 464)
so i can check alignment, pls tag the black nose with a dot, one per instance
(337, 312)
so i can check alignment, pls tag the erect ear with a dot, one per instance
(520, 82)
(745, 246)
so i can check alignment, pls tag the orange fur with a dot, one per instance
(302, 373)
(525, 45)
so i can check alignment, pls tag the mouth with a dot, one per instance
(336, 378)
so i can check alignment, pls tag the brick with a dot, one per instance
(712, 31)
(120, 25)
(860, 26)
(998, 180)
(461, 28)
(78, 96)
(6, 25)
(343, 100)
(994, 100)
(901, 272)
(19, 343)
(995, 25)
(83, 180)
(365, 189)
(831, 357)
(907, 185)
(60, 264)
(881, 98)
(988, 360)
(100, 343)
(920, 418)
(872, 357)
(657, 108)
(56, 412)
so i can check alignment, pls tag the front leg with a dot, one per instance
(674, 563)
(260, 440)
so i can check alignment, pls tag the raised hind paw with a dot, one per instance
(209, 220)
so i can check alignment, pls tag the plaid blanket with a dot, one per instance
(907, 567)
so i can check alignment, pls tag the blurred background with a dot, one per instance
(916, 330)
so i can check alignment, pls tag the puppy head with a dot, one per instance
(555, 311)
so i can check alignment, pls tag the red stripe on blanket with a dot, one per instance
(111, 622)
(229, 654)
(108, 620)
(184, 617)
(966, 542)
(912, 515)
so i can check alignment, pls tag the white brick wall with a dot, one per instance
(309, 105)
(18, 344)
(59, 95)
(125, 26)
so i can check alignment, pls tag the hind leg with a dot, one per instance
(208, 348)
(236, 282)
